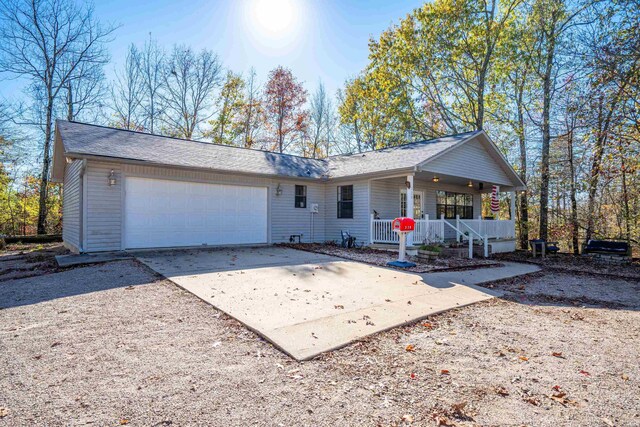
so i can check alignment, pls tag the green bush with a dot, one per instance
(431, 248)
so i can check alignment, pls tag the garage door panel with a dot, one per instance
(163, 213)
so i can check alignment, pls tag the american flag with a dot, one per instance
(495, 203)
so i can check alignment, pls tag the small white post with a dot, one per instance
(470, 246)
(371, 229)
(403, 246)
(486, 246)
(458, 237)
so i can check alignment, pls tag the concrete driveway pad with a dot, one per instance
(307, 303)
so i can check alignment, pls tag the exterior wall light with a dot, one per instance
(278, 190)
(436, 178)
(470, 184)
(112, 178)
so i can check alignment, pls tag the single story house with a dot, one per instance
(129, 190)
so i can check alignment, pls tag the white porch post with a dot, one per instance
(371, 229)
(410, 206)
(512, 214)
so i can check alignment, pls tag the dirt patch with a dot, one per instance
(572, 263)
(382, 257)
(113, 344)
(28, 260)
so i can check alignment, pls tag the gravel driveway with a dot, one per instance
(113, 344)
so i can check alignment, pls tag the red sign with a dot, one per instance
(403, 224)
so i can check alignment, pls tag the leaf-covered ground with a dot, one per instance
(113, 344)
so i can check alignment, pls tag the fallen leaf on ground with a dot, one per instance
(458, 409)
(532, 400)
(123, 422)
(410, 347)
(339, 307)
(607, 421)
(407, 418)
(524, 358)
(562, 399)
(556, 387)
(585, 373)
(4, 412)
(444, 372)
(624, 377)
(557, 354)
(502, 391)
(413, 375)
(441, 420)
(427, 325)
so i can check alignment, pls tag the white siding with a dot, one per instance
(72, 205)
(358, 226)
(472, 161)
(104, 203)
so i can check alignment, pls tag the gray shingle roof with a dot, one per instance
(392, 158)
(84, 139)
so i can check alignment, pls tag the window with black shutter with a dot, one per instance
(345, 201)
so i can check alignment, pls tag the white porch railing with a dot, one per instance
(433, 230)
(492, 228)
(430, 230)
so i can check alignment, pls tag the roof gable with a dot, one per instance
(477, 158)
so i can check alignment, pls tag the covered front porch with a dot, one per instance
(446, 208)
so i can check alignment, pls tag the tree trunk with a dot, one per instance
(44, 179)
(523, 225)
(69, 103)
(625, 201)
(546, 141)
(575, 240)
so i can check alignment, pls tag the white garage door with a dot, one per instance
(163, 213)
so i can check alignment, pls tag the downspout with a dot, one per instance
(82, 215)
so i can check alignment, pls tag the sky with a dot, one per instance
(317, 39)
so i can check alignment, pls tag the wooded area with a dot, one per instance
(555, 83)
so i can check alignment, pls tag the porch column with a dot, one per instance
(410, 206)
(512, 214)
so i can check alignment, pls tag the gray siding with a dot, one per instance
(358, 226)
(72, 205)
(472, 161)
(104, 203)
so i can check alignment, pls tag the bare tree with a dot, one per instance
(253, 110)
(85, 93)
(318, 119)
(46, 41)
(127, 92)
(152, 60)
(190, 83)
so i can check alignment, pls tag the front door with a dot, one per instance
(417, 204)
